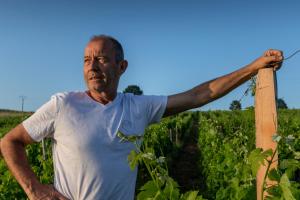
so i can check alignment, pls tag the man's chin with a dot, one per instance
(97, 89)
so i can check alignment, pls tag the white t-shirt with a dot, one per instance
(90, 162)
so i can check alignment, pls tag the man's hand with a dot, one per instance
(271, 58)
(46, 192)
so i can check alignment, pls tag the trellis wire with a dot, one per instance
(254, 79)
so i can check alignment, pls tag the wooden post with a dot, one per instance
(265, 118)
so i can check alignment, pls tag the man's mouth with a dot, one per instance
(95, 76)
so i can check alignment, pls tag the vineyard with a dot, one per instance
(194, 155)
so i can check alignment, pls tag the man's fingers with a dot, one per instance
(59, 196)
(267, 53)
(273, 52)
(274, 59)
(62, 198)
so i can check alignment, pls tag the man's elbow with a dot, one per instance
(8, 142)
(203, 96)
(15, 139)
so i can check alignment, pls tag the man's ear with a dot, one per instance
(123, 66)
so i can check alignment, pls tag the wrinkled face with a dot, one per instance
(101, 72)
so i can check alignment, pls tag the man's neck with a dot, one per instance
(102, 97)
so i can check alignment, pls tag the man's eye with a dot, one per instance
(87, 60)
(102, 59)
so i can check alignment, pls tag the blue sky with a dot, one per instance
(171, 46)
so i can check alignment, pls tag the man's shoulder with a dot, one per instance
(133, 97)
(138, 99)
(68, 96)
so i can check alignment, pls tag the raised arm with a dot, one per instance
(216, 88)
(13, 150)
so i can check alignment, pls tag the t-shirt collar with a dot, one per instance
(116, 99)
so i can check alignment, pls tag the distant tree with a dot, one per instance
(235, 105)
(133, 89)
(281, 104)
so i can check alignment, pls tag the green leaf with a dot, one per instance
(128, 138)
(133, 159)
(191, 195)
(257, 158)
(171, 189)
(274, 191)
(285, 187)
(274, 175)
(272, 198)
(297, 155)
(289, 163)
(290, 166)
(276, 138)
(267, 153)
(149, 191)
(289, 139)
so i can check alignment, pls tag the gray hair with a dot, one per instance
(119, 53)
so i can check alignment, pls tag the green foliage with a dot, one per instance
(281, 104)
(257, 158)
(166, 139)
(161, 186)
(284, 187)
(133, 89)
(225, 140)
(235, 105)
(228, 159)
(9, 122)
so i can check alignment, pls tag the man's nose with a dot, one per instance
(95, 64)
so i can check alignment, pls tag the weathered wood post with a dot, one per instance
(265, 118)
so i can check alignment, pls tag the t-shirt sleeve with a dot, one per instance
(42, 123)
(156, 108)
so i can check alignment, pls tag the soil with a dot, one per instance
(185, 168)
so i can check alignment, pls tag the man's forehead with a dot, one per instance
(100, 46)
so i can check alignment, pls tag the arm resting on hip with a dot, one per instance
(13, 151)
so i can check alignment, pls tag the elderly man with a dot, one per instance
(89, 161)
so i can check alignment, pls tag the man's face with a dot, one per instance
(101, 72)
